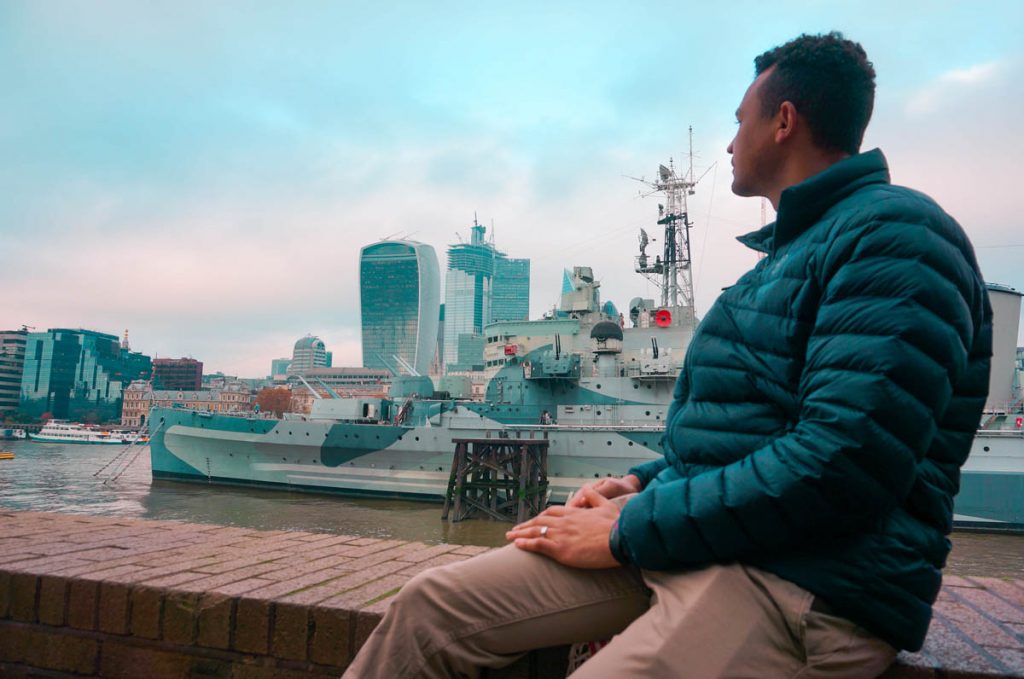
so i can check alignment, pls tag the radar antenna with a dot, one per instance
(671, 270)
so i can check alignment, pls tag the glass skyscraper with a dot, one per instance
(482, 285)
(78, 374)
(12, 362)
(510, 294)
(400, 296)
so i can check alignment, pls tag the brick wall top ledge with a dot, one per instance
(94, 595)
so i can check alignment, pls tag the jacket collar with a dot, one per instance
(803, 204)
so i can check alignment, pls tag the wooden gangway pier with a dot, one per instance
(500, 477)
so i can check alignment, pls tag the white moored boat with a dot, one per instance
(62, 431)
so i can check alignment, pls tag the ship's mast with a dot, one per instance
(672, 271)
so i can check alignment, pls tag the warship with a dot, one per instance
(595, 384)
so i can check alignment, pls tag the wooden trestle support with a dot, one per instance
(503, 478)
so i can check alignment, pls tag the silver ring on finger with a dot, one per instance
(543, 531)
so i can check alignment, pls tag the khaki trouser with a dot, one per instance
(720, 621)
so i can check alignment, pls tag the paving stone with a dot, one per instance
(113, 608)
(53, 595)
(1010, 591)
(206, 582)
(471, 550)
(23, 597)
(82, 604)
(5, 594)
(121, 660)
(180, 618)
(1012, 659)
(62, 653)
(336, 586)
(252, 626)
(303, 582)
(952, 652)
(417, 568)
(978, 627)
(331, 636)
(427, 553)
(146, 610)
(216, 616)
(242, 586)
(13, 642)
(291, 631)
(995, 607)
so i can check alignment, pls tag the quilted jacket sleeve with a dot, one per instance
(648, 470)
(899, 307)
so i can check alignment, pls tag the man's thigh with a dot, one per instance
(511, 600)
(731, 622)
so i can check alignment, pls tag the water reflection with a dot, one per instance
(60, 478)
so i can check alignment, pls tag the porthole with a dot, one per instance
(630, 443)
(599, 386)
(609, 443)
(985, 449)
(647, 413)
(417, 438)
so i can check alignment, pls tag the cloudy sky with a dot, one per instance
(203, 174)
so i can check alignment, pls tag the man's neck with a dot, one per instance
(801, 167)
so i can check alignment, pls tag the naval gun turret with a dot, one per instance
(606, 344)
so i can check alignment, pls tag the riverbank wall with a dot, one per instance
(113, 597)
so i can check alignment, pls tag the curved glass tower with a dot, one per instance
(400, 297)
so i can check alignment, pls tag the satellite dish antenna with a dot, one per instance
(663, 318)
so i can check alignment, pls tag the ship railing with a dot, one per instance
(1001, 433)
(559, 426)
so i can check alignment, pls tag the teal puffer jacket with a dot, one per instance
(827, 403)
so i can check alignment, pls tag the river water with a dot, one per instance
(63, 478)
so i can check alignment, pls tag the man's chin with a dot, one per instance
(741, 190)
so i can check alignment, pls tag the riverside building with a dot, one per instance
(177, 373)
(12, 363)
(400, 296)
(140, 396)
(78, 374)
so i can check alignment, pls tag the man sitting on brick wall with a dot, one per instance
(796, 525)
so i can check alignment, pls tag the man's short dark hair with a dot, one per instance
(830, 82)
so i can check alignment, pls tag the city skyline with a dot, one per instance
(205, 178)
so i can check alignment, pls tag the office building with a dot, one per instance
(510, 295)
(482, 285)
(400, 296)
(78, 374)
(12, 363)
(309, 353)
(177, 373)
(279, 369)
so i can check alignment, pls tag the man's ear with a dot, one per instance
(786, 122)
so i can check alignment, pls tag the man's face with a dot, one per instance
(754, 152)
